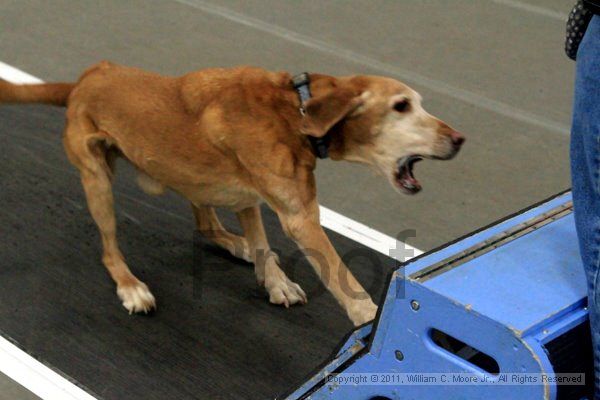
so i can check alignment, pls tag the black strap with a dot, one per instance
(301, 84)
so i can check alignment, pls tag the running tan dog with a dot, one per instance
(235, 138)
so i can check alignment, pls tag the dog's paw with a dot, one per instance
(136, 298)
(362, 312)
(285, 292)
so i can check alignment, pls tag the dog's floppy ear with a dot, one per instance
(323, 112)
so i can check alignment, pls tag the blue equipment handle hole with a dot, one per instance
(464, 351)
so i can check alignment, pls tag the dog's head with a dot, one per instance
(380, 121)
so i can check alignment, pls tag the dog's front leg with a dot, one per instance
(266, 263)
(305, 229)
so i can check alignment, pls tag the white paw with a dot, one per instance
(136, 298)
(285, 292)
(362, 312)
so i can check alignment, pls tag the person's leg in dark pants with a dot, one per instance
(585, 171)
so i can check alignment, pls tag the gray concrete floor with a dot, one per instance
(494, 69)
(10, 390)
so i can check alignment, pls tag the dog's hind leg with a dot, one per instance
(87, 150)
(209, 225)
(266, 263)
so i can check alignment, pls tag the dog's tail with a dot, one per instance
(46, 93)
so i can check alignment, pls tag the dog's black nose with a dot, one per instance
(457, 139)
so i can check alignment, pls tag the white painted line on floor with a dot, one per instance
(14, 75)
(546, 12)
(474, 99)
(36, 377)
(329, 219)
(367, 236)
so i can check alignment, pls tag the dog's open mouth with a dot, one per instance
(404, 177)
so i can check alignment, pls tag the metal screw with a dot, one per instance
(415, 305)
(399, 355)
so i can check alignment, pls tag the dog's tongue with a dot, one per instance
(409, 183)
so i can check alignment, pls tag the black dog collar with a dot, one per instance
(301, 84)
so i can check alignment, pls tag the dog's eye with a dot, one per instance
(402, 105)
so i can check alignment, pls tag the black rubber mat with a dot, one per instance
(214, 335)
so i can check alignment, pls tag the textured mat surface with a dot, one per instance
(214, 335)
